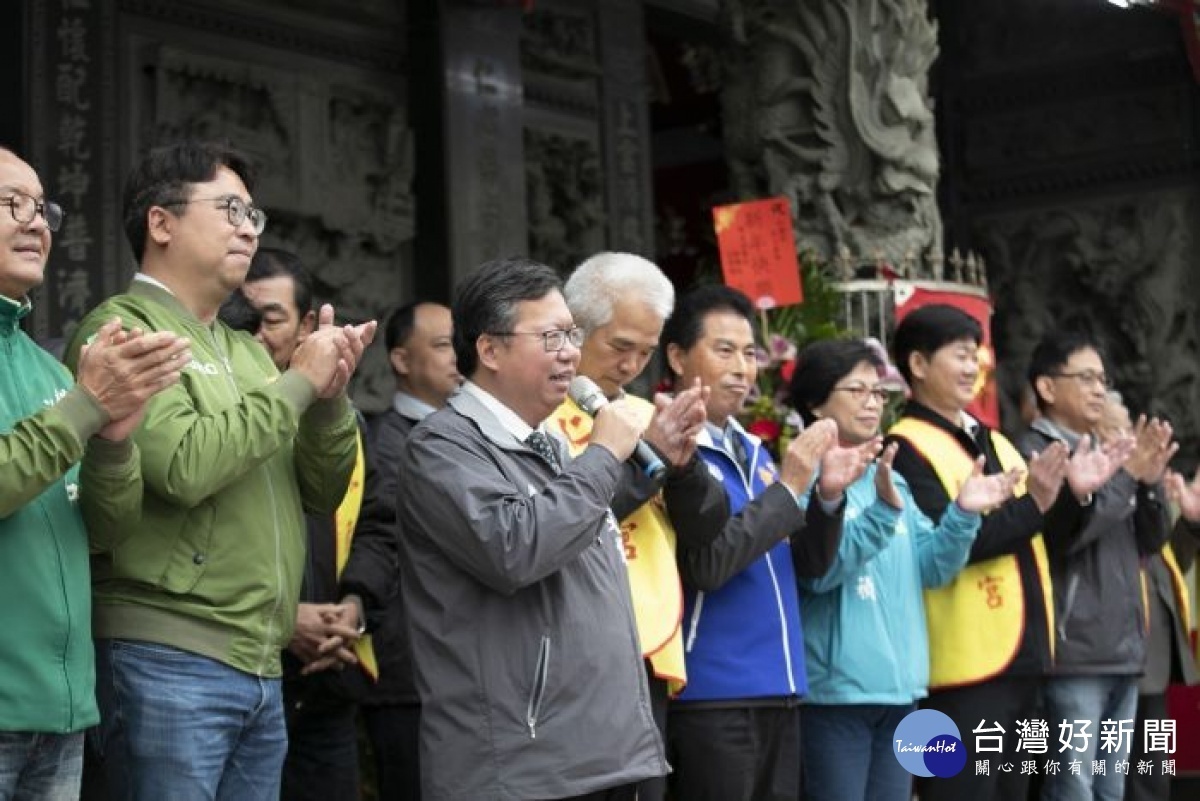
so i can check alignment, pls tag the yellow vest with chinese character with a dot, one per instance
(649, 542)
(977, 621)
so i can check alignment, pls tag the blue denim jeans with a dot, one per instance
(185, 727)
(1093, 699)
(848, 752)
(35, 766)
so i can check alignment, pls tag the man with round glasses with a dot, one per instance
(197, 598)
(65, 460)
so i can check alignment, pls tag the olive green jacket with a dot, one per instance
(232, 456)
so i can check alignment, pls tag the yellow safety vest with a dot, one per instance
(345, 521)
(977, 621)
(649, 542)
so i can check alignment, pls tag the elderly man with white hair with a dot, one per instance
(621, 302)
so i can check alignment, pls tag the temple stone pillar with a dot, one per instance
(827, 103)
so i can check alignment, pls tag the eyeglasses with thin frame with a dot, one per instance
(553, 340)
(1089, 378)
(236, 209)
(860, 392)
(24, 208)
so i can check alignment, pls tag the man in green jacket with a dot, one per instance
(47, 426)
(194, 605)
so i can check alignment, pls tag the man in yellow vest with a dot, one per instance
(621, 302)
(1169, 657)
(990, 628)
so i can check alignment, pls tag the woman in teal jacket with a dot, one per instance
(864, 621)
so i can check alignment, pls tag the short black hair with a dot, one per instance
(163, 176)
(274, 262)
(929, 329)
(400, 325)
(686, 324)
(820, 366)
(485, 302)
(1052, 353)
(240, 314)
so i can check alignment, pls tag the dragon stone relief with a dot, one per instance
(827, 103)
(1117, 269)
(335, 176)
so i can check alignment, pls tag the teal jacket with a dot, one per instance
(865, 640)
(232, 456)
(47, 675)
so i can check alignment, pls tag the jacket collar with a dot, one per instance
(11, 313)
(467, 403)
(153, 290)
(1049, 428)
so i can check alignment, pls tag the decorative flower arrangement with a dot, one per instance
(784, 332)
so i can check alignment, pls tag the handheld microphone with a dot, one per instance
(589, 397)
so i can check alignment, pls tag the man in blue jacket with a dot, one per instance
(735, 730)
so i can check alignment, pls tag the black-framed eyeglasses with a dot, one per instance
(25, 207)
(553, 340)
(1089, 378)
(236, 209)
(860, 392)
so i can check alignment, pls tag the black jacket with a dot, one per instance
(388, 433)
(369, 573)
(1095, 560)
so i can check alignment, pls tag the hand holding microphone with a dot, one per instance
(618, 427)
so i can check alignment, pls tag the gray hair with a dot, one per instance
(594, 288)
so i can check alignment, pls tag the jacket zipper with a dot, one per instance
(538, 691)
(694, 625)
(1072, 587)
(783, 625)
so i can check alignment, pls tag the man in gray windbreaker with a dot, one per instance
(524, 645)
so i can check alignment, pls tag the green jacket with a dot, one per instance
(228, 455)
(47, 673)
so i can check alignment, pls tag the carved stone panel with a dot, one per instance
(1117, 267)
(827, 103)
(334, 153)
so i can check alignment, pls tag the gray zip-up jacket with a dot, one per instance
(524, 646)
(1095, 560)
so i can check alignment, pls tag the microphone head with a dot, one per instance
(586, 394)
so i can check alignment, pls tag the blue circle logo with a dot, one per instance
(927, 743)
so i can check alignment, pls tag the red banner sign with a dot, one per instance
(758, 251)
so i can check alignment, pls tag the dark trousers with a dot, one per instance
(394, 733)
(1154, 786)
(734, 754)
(656, 789)
(627, 792)
(1003, 701)
(322, 754)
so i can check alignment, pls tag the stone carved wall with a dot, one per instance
(564, 192)
(335, 171)
(564, 197)
(1069, 170)
(1117, 268)
(827, 103)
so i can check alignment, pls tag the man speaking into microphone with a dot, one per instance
(621, 302)
(524, 645)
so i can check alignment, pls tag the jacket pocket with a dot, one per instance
(537, 691)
